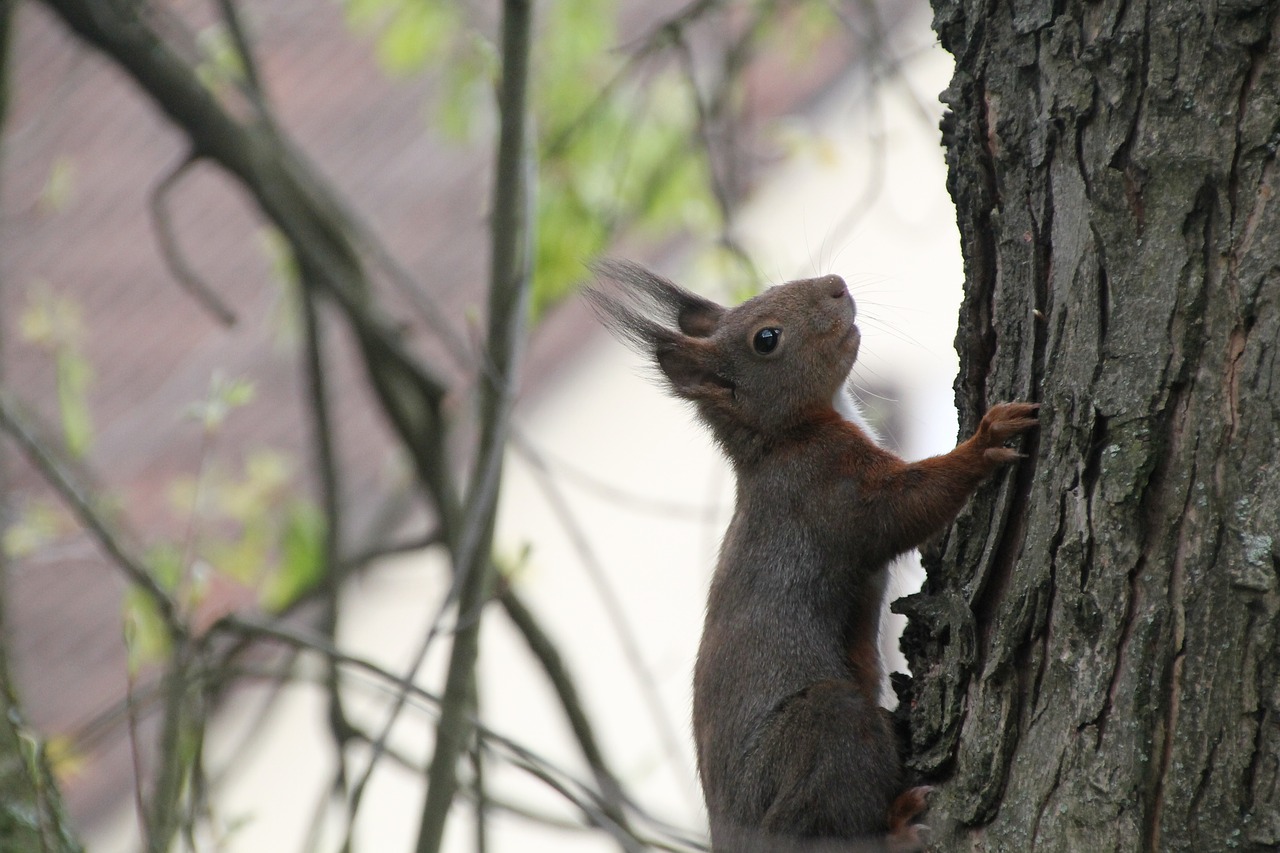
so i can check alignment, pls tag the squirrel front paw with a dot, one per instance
(1002, 422)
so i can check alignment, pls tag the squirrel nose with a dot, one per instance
(835, 285)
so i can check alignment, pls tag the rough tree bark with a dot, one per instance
(1097, 647)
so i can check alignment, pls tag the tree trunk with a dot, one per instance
(1097, 647)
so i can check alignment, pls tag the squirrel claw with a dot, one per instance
(1000, 455)
(1002, 422)
(909, 839)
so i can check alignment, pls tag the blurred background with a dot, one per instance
(223, 556)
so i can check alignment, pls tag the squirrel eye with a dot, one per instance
(766, 340)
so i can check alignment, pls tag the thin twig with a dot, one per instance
(305, 209)
(575, 791)
(184, 717)
(239, 38)
(883, 60)
(480, 794)
(673, 510)
(637, 52)
(420, 299)
(131, 717)
(58, 474)
(548, 655)
(330, 491)
(613, 607)
(171, 249)
(379, 744)
(685, 17)
(316, 826)
(411, 545)
(36, 792)
(706, 113)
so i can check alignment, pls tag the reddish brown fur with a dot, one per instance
(793, 749)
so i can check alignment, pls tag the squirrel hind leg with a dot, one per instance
(834, 765)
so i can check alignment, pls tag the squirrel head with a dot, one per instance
(755, 371)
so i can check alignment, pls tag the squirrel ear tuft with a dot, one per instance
(663, 298)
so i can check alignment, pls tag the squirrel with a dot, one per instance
(794, 751)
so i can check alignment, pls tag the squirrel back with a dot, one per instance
(791, 741)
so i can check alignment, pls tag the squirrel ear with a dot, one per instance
(690, 370)
(699, 317)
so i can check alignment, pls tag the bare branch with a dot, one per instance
(58, 474)
(327, 465)
(181, 735)
(379, 744)
(135, 755)
(391, 549)
(421, 301)
(304, 208)
(564, 470)
(510, 269)
(690, 14)
(710, 110)
(252, 79)
(592, 804)
(171, 250)
(544, 649)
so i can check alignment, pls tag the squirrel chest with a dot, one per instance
(795, 601)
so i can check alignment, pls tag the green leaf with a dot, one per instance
(302, 563)
(245, 557)
(50, 320)
(65, 757)
(166, 564)
(469, 82)
(37, 323)
(237, 393)
(569, 233)
(613, 151)
(416, 34)
(74, 375)
(55, 323)
(283, 264)
(37, 523)
(145, 637)
(257, 493)
(220, 62)
(59, 186)
(224, 395)
(364, 14)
